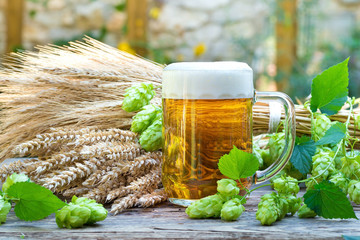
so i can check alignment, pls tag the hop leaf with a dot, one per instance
(34, 202)
(328, 201)
(329, 90)
(143, 119)
(14, 178)
(138, 96)
(5, 208)
(151, 138)
(238, 164)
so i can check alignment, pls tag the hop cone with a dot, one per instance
(80, 211)
(257, 151)
(310, 184)
(294, 203)
(207, 207)
(276, 145)
(286, 185)
(323, 164)
(72, 216)
(340, 180)
(305, 212)
(98, 212)
(232, 210)
(143, 119)
(227, 187)
(354, 191)
(350, 168)
(320, 125)
(268, 209)
(151, 138)
(138, 96)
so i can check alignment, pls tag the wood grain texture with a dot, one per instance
(169, 221)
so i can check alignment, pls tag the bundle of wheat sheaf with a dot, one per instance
(106, 165)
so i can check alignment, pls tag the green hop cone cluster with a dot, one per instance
(143, 119)
(354, 191)
(232, 210)
(14, 178)
(286, 185)
(340, 180)
(227, 187)
(151, 138)
(80, 211)
(207, 207)
(5, 207)
(274, 207)
(323, 164)
(224, 204)
(320, 125)
(305, 212)
(138, 96)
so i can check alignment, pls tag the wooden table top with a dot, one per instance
(170, 221)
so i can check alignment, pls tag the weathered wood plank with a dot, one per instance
(169, 221)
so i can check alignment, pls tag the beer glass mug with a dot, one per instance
(208, 110)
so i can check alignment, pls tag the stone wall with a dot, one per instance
(182, 29)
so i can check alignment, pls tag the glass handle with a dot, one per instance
(290, 133)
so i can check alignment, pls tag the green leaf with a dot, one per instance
(333, 135)
(238, 164)
(329, 90)
(328, 201)
(303, 152)
(33, 202)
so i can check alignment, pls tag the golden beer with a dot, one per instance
(207, 111)
(198, 132)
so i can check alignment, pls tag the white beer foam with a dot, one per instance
(207, 80)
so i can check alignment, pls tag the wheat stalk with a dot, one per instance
(78, 85)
